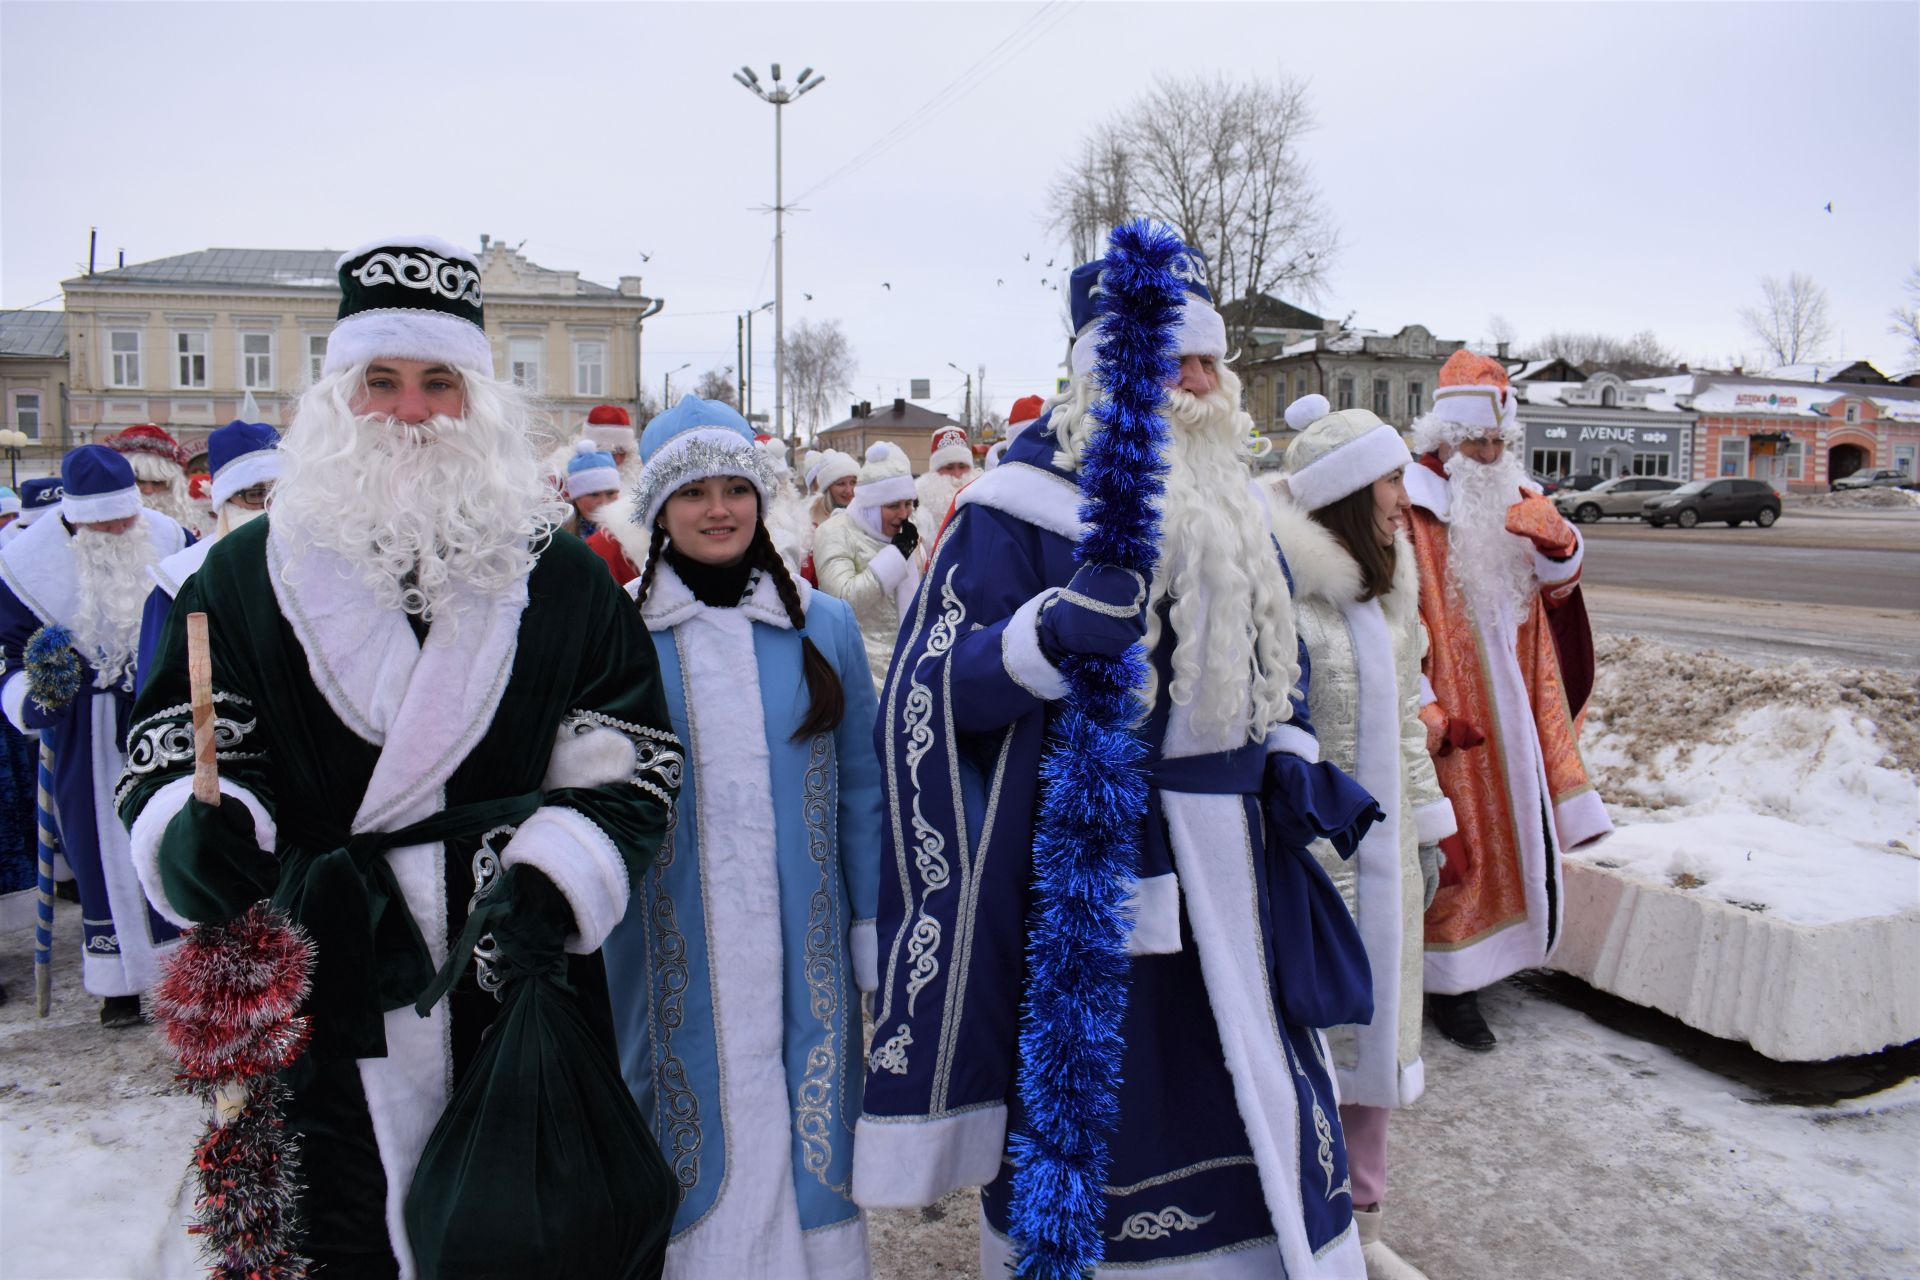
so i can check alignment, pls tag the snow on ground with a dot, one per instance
(1847, 499)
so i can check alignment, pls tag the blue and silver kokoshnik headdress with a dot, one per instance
(696, 440)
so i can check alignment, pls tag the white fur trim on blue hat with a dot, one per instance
(115, 505)
(394, 334)
(249, 469)
(699, 454)
(1202, 332)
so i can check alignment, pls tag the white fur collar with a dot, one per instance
(172, 573)
(426, 708)
(1027, 493)
(38, 565)
(670, 602)
(1429, 491)
(1323, 569)
(634, 540)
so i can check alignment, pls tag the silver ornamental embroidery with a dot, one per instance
(813, 1104)
(1150, 1225)
(454, 281)
(929, 855)
(668, 945)
(162, 742)
(486, 873)
(659, 761)
(892, 1056)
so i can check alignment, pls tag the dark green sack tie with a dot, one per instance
(372, 957)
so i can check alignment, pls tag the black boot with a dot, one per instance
(1458, 1019)
(121, 1011)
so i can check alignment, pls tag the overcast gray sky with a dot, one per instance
(1589, 166)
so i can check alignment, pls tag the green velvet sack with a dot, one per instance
(541, 1165)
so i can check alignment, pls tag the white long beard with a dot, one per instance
(936, 493)
(174, 501)
(1491, 568)
(111, 570)
(452, 502)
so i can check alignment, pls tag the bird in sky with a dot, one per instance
(999, 282)
(806, 295)
(1829, 206)
(644, 257)
(886, 286)
(1026, 257)
(1049, 261)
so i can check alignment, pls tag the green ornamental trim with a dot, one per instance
(408, 278)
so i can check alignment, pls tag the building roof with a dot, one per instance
(1740, 393)
(254, 268)
(901, 415)
(34, 334)
(1855, 371)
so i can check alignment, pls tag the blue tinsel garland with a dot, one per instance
(1094, 795)
(52, 666)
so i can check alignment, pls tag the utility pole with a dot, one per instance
(966, 414)
(740, 362)
(779, 95)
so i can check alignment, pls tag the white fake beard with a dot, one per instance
(111, 569)
(457, 502)
(175, 501)
(1489, 567)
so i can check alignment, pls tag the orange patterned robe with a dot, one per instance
(1522, 794)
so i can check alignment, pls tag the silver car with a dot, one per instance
(1870, 479)
(1620, 496)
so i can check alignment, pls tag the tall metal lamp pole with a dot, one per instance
(779, 95)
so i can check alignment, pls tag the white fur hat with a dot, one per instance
(1337, 454)
(886, 477)
(831, 467)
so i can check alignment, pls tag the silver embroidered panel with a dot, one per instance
(455, 281)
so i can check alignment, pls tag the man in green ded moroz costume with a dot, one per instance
(425, 697)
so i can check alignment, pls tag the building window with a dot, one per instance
(1853, 413)
(1903, 458)
(590, 368)
(190, 359)
(316, 355)
(1382, 399)
(1794, 454)
(523, 363)
(1260, 399)
(26, 413)
(1416, 400)
(1608, 398)
(1553, 463)
(1733, 456)
(1652, 464)
(1345, 391)
(124, 344)
(256, 361)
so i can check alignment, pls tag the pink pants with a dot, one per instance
(1366, 1131)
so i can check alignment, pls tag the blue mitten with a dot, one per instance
(1102, 612)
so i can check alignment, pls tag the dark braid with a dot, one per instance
(826, 697)
(654, 549)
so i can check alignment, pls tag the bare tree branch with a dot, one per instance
(1906, 319)
(717, 384)
(1791, 321)
(819, 365)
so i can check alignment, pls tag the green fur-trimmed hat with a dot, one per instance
(409, 298)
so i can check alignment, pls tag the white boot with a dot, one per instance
(1382, 1262)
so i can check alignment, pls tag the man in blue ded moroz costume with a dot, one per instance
(1226, 1155)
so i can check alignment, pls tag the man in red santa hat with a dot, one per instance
(160, 466)
(1496, 561)
(949, 470)
(1025, 412)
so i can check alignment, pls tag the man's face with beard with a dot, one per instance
(1489, 565)
(410, 391)
(1198, 376)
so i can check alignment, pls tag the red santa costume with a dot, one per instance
(158, 459)
(943, 480)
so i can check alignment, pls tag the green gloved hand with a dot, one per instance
(212, 867)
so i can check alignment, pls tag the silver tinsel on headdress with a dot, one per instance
(698, 455)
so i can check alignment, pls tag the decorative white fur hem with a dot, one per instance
(889, 567)
(600, 757)
(863, 941)
(583, 864)
(1551, 572)
(1434, 822)
(13, 700)
(408, 335)
(245, 471)
(161, 808)
(1294, 740)
(1581, 819)
(1259, 1261)
(910, 1162)
(117, 505)
(1020, 653)
(1154, 906)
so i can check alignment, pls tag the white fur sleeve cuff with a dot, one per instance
(13, 700)
(863, 940)
(908, 1162)
(1020, 653)
(151, 826)
(1554, 571)
(889, 567)
(1434, 822)
(570, 850)
(1294, 740)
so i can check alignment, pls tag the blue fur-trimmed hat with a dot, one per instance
(1201, 332)
(98, 485)
(39, 496)
(696, 440)
(242, 455)
(591, 469)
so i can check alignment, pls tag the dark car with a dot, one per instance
(1730, 500)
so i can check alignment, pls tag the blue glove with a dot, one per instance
(37, 717)
(1102, 612)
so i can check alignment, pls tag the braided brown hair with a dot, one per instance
(826, 697)
(654, 549)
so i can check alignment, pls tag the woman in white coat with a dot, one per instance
(1341, 518)
(868, 553)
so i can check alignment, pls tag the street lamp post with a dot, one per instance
(966, 414)
(666, 386)
(13, 442)
(779, 95)
(746, 363)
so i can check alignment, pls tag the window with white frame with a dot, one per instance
(1416, 400)
(1652, 464)
(26, 413)
(256, 361)
(1733, 456)
(190, 358)
(1853, 412)
(1903, 457)
(1552, 462)
(1345, 393)
(523, 362)
(1382, 399)
(123, 348)
(1794, 454)
(316, 355)
(589, 368)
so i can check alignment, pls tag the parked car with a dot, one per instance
(1881, 479)
(1620, 496)
(1730, 500)
(1582, 481)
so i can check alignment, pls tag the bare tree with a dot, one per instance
(1791, 321)
(1220, 162)
(1906, 319)
(1500, 330)
(648, 406)
(717, 384)
(1583, 348)
(819, 365)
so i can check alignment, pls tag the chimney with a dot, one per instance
(866, 408)
(485, 240)
(1500, 350)
(899, 406)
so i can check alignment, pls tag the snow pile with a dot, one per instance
(1854, 499)
(1785, 788)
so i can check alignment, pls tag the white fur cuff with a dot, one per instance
(600, 757)
(570, 850)
(1020, 653)
(889, 567)
(1153, 903)
(13, 700)
(908, 1162)
(1551, 572)
(1294, 740)
(1434, 822)
(151, 826)
(863, 941)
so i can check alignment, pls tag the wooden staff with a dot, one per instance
(206, 770)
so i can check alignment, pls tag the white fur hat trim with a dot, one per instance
(1348, 468)
(699, 454)
(244, 472)
(1202, 333)
(94, 507)
(1466, 413)
(592, 480)
(397, 334)
(834, 466)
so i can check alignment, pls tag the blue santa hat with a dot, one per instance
(99, 486)
(696, 440)
(590, 470)
(242, 455)
(39, 496)
(1201, 331)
